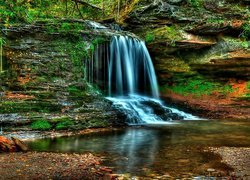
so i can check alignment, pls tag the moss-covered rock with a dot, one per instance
(46, 77)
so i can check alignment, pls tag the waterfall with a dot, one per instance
(130, 68)
(123, 69)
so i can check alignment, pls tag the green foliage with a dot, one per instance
(41, 124)
(12, 11)
(246, 30)
(149, 38)
(195, 3)
(66, 26)
(245, 44)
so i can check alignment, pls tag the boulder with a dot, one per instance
(7, 145)
(20, 145)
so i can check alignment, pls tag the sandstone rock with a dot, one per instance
(20, 145)
(6, 145)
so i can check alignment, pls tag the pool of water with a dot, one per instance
(176, 149)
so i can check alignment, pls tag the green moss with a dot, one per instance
(61, 119)
(65, 124)
(41, 124)
(62, 123)
(168, 34)
(248, 85)
(65, 27)
(195, 3)
(76, 91)
(215, 21)
(199, 86)
(149, 37)
(28, 106)
(97, 123)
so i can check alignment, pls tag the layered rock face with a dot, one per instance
(44, 79)
(200, 51)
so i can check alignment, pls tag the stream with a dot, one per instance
(179, 148)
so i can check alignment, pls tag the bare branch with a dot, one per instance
(87, 4)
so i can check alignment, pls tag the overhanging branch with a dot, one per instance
(87, 4)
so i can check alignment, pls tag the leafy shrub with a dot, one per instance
(41, 124)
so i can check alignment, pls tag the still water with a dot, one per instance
(176, 149)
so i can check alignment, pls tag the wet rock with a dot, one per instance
(210, 170)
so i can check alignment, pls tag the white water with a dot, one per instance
(141, 110)
(124, 70)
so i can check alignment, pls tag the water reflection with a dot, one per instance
(176, 148)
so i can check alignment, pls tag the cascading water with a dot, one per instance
(124, 70)
(130, 69)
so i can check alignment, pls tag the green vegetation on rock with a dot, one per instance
(246, 30)
(66, 124)
(41, 124)
(149, 38)
(1, 54)
(62, 123)
(168, 34)
(195, 3)
(28, 106)
(199, 86)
